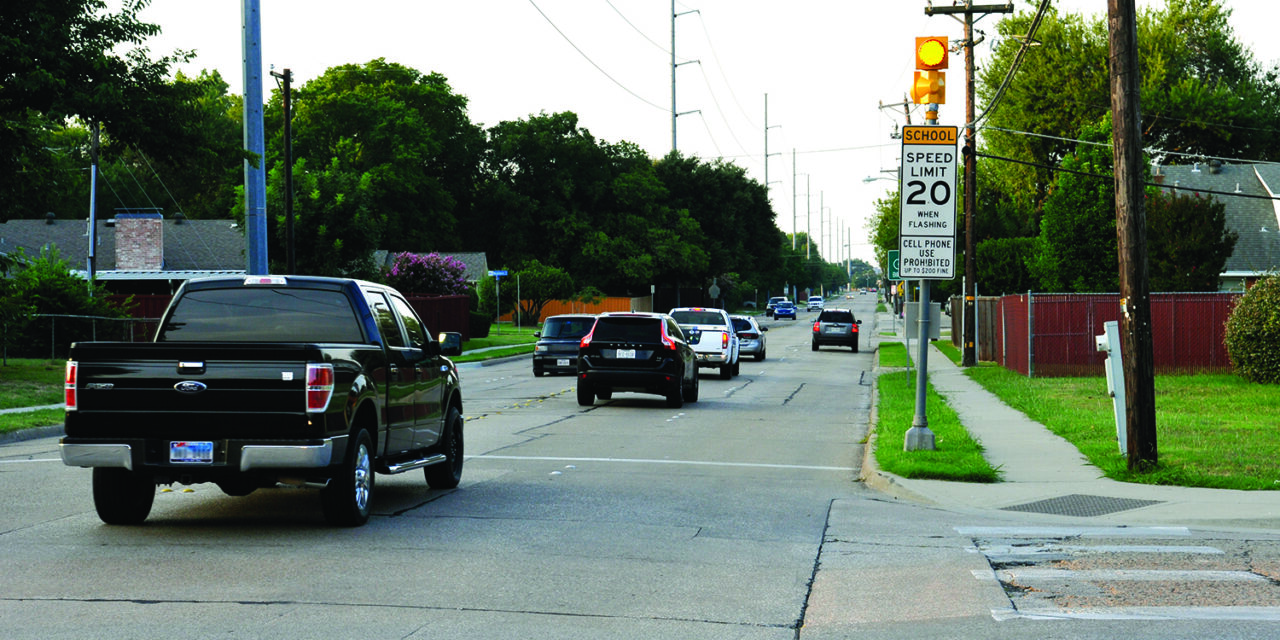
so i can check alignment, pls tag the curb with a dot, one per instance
(34, 433)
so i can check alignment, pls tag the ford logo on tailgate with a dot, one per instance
(190, 386)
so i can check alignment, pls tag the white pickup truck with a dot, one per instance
(710, 333)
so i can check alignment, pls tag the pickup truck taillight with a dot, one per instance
(69, 384)
(319, 387)
(724, 340)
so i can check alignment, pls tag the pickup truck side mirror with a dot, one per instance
(450, 343)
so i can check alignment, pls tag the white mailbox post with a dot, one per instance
(1109, 342)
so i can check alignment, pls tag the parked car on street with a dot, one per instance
(836, 326)
(751, 338)
(785, 309)
(636, 352)
(710, 333)
(556, 350)
(815, 303)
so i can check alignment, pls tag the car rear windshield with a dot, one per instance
(245, 314)
(697, 317)
(567, 327)
(786, 305)
(741, 325)
(628, 330)
(836, 316)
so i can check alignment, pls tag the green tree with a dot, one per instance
(59, 63)
(538, 285)
(48, 287)
(1188, 241)
(406, 134)
(335, 218)
(1076, 249)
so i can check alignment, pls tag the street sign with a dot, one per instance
(893, 265)
(498, 273)
(927, 226)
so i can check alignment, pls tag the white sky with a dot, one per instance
(826, 66)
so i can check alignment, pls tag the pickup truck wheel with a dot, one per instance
(604, 394)
(346, 500)
(122, 496)
(447, 474)
(737, 366)
(726, 372)
(586, 397)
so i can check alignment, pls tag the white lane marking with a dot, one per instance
(1065, 532)
(1125, 575)
(703, 463)
(1243, 614)
(1076, 550)
(31, 460)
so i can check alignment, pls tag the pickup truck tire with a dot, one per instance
(604, 394)
(346, 500)
(726, 372)
(737, 366)
(447, 474)
(122, 496)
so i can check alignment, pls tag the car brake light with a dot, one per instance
(69, 384)
(724, 340)
(817, 326)
(319, 387)
(586, 340)
(748, 336)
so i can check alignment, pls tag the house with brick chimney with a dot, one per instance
(135, 251)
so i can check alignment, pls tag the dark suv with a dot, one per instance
(639, 352)
(557, 348)
(836, 326)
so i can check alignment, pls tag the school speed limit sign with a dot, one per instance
(927, 231)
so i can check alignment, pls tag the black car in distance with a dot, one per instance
(557, 348)
(636, 352)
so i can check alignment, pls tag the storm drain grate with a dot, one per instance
(1081, 505)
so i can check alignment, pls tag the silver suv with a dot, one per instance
(836, 326)
(710, 333)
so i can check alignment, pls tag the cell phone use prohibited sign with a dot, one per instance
(927, 230)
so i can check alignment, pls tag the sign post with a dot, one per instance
(926, 240)
(497, 294)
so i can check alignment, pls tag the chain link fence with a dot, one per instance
(51, 334)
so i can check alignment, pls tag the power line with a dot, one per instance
(593, 63)
(1150, 150)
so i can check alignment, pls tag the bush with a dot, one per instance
(1253, 333)
(429, 275)
(480, 322)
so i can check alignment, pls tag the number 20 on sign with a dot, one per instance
(927, 231)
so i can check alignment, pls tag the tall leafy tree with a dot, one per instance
(1188, 241)
(58, 62)
(405, 133)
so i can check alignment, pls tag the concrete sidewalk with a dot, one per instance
(1043, 473)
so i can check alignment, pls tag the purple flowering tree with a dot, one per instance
(431, 274)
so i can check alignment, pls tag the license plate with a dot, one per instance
(190, 452)
(626, 354)
(562, 362)
(834, 330)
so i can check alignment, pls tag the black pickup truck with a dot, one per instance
(257, 381)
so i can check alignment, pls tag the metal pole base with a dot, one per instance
(919, 439)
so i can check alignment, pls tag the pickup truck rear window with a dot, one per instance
(263, 315)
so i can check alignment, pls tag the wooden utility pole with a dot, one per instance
(969, 354)
(1135, 287)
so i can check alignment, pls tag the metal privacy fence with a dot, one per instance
(1046, 335)
(1053, 334)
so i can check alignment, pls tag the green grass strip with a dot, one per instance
(1212, 430)
(957, 457)
(894, 354)
(29, 419)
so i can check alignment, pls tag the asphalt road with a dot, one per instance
(738, 516)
